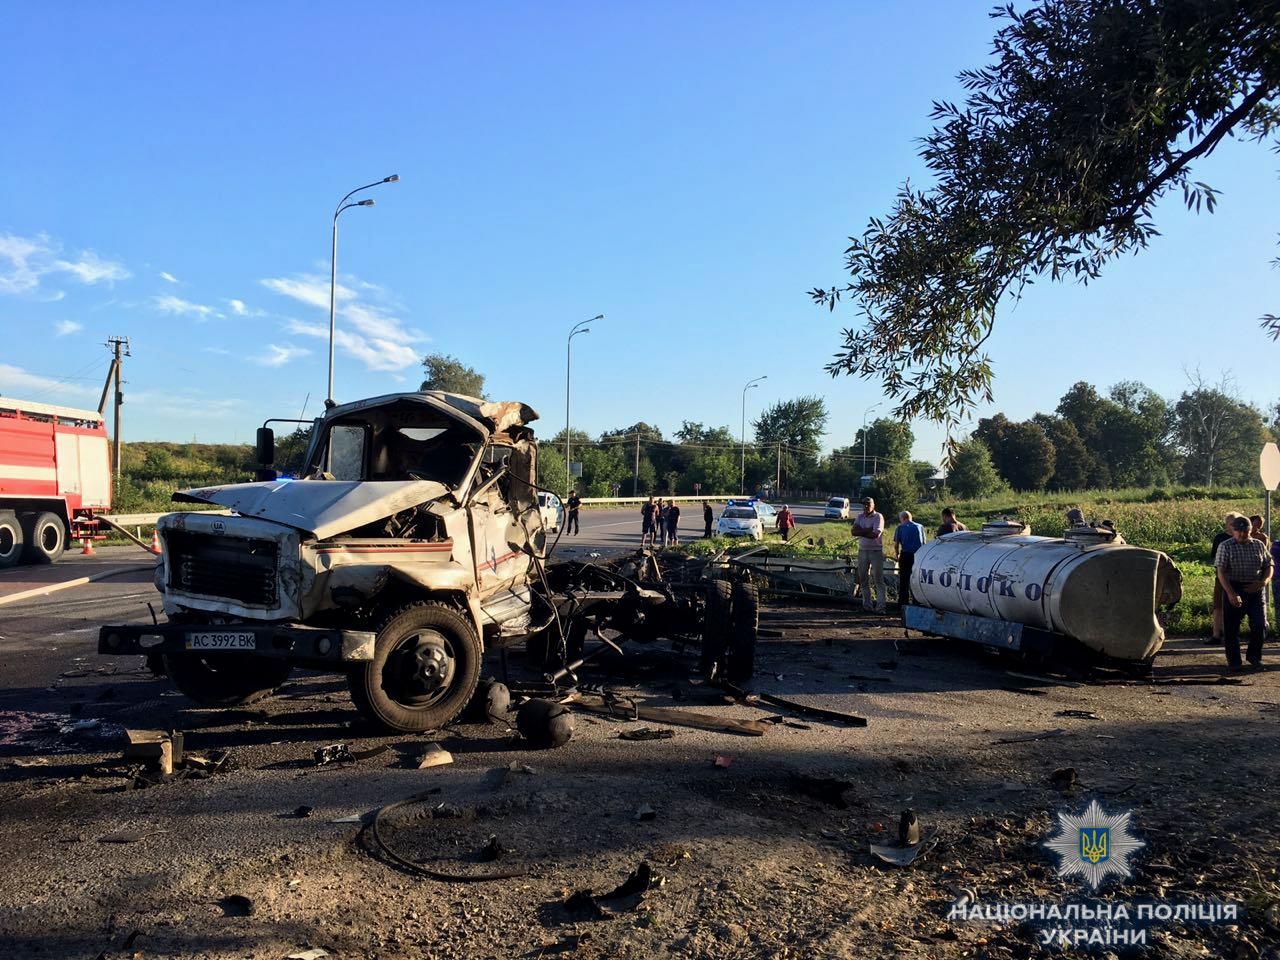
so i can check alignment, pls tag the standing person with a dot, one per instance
(662, 522)
(673, 524)
(708, 518)
(908, 538)
(1244, 569)
(1223, 536)
(648, 515)
(574, 503)
(868, 530)
(949, 523)
(786, 522)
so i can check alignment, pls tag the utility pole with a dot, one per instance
(120, 347)
(777, 485)
(635, 477)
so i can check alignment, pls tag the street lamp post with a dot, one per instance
(742, 473)
(579, 327)
(333, 265)
(864, 433)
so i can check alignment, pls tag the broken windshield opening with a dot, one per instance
(398, 441)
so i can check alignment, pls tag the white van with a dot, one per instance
(837, 509)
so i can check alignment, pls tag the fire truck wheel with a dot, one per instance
(425, 667)
(716, 627)
(46, 537)
(10, 540)
(746, 628)
(225, 679)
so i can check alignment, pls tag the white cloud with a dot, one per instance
(238, 307)
(368, 332)
(25, 261)
(183, 308)
(16, 382)
(166, 275)
(220, 351)
(65, 328)
(278, 356)
(309, 289)
(189, 406)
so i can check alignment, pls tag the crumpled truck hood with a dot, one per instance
(322, 508)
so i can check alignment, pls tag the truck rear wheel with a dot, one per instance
(10, 540)
(425, 667)
(746, 630)
(716, 627)
(46, 537)
(225, 679)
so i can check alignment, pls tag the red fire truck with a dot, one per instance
(55, 472)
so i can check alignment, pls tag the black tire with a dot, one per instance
(11, 540)
(716, 627)
(425, 667)
(46, 537)
(746, 630)
(225, 679)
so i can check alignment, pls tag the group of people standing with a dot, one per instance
(908, 537)
(660, 523)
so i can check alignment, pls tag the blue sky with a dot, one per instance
(689, 170)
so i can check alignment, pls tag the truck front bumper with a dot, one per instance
(313, 647)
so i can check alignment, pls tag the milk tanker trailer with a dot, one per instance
(1002, 587)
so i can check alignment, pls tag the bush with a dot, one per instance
(894, 491)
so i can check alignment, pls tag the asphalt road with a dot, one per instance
(619, 529)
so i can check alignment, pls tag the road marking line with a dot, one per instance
(68, 584)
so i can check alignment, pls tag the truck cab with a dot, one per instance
(406, 539)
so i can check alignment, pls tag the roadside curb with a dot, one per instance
(67, 585)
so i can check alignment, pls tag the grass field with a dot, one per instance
(1180, 522)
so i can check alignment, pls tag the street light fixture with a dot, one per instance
(742, 474)
(579, 327)
(333, 265)
(878, 403)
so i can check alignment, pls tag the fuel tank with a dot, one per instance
(1100, 592)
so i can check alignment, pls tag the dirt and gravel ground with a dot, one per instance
(751, 859)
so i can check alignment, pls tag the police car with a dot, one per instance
(746, 518)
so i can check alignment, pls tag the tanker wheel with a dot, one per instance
(717, 624)
(425, 667)
(225, 679)
(746, 629)
(46, 537)
(10, 540)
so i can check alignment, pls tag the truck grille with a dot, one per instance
(235, 569)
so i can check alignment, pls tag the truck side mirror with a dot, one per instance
(266, 446)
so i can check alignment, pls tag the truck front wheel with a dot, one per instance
(10, 539)
(425, 667)
(46, 537)
(225, 679)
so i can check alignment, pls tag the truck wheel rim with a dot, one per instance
(7, 540)
(49, 538)
(424, 668)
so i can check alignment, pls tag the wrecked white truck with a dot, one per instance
(411, 536)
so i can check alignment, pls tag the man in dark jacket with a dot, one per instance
(708, 518)
(575, 503)
(673, 523)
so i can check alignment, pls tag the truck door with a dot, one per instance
(499, 564)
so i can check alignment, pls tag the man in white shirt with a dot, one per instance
(868, 530)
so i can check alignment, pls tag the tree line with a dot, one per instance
(1130, 436)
